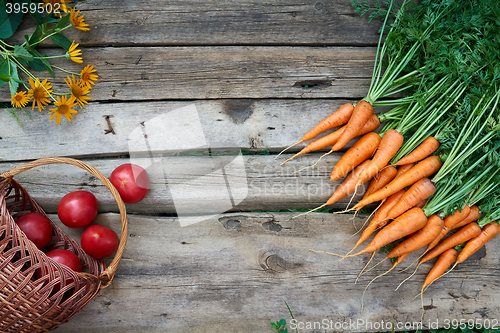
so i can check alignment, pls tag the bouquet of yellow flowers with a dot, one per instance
(18, 61)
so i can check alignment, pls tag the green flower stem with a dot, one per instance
(57, 56)
(7, 45)
(65, 71)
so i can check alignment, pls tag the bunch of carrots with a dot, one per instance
(434, 166)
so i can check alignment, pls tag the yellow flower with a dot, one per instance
(40, 92)
(76, 21)
(64, 107)
(87, 78)
(56, 5)
(19, 100)
(74, 54)
(78, 91)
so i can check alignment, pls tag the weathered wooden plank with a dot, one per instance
(190, 185)
(222, 72)
(210, 22)
(232, 274)
(254, 125)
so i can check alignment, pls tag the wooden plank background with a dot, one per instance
(233, 273)
(224, 72)
(209, 22)
(260, 74)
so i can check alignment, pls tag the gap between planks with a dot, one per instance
(249, 183)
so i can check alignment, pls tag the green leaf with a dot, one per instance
(3, 62)
(45, 62)
(35, 36)
(61, 41)
(37, 65)
(18, 80)
(10, 22)
(62, 22)
(13, 85)
(49, 19)
(36, 16)
(22, 53)
(4, 72)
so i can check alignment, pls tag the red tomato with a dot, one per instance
(99, 242)
(131, 181)
(77, 209)
(37, 228)
(67, 258)
(64, 257)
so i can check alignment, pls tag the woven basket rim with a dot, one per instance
(106, 277)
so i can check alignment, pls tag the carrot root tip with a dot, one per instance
(296, 143)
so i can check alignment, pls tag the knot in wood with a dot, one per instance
(319, 5)
(275, 263)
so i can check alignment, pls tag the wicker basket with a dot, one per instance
(31, 304)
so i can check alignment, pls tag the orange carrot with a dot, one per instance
(449, 223)
(407, 223)
(445, 260)
(321, 143)
(423, 169)
(381, 179)
(419, 191)
(337, 118)
(329, 140)
(388, 147)
(360, 115)
(421, 238)
(458, 215)
(348, 186)
(371, 125)
(471, 230)
(403, 168)
(362, 150)
(427, 147)
(400, 259)
(380, 218)
(436, 240)
(474, 215)
(489, 232)
(421, 204)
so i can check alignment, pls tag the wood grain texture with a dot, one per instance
(234, 272)
(211, 22)
(254, 125)
(191, 185)
(221, 72)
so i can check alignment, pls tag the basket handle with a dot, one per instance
(106, 277)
